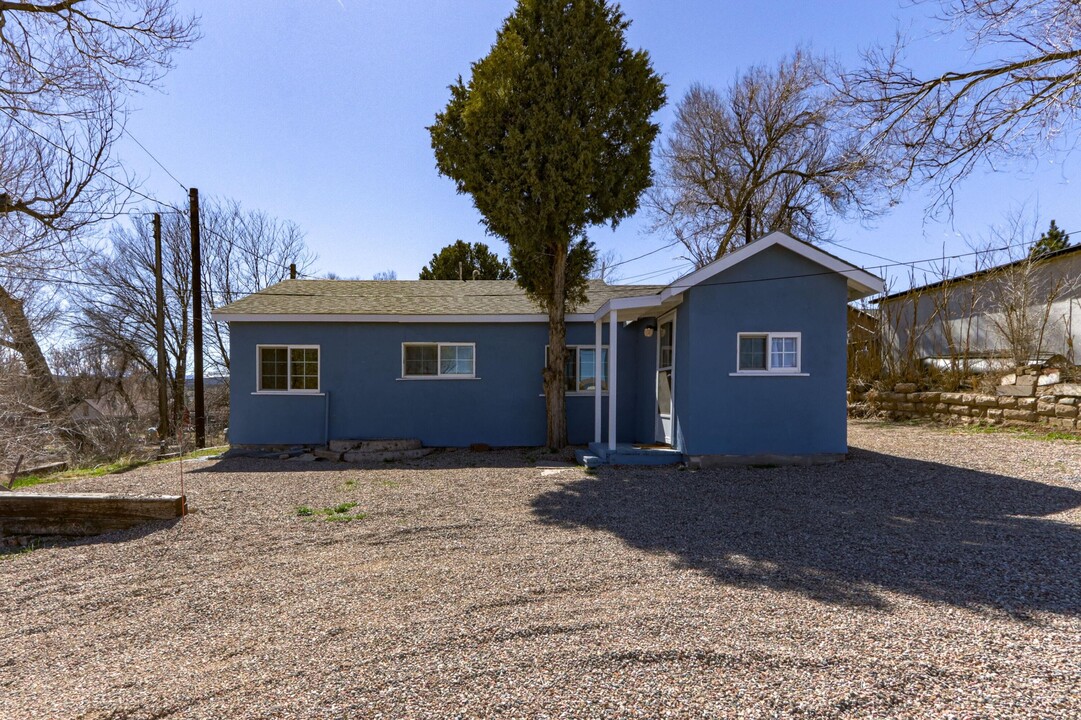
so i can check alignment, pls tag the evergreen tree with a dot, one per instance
(551, 135)
(460, 260)
(1051, 241)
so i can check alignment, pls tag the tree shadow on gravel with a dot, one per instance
(112, 537)
(841, 533)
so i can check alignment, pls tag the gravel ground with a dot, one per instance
(935, 574)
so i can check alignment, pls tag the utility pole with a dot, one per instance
(159, 331)
(197, 317)
(292, 271)
(747, 224)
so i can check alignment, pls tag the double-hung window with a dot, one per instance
(439, 360)
(580, 372)
(768, 353)
(288, 368)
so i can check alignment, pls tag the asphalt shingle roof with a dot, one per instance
(411, 297)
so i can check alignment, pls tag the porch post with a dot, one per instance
(613, 333)
(597, 384)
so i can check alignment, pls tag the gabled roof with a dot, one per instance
(1046, 257)
(407, 301)
(496, 300)
(860, 282)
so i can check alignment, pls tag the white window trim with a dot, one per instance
(289, 370)
(770, 371)
(578, 369)
(439, 370)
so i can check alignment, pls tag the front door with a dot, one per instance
(666, 328)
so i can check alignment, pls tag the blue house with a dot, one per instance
(742, 360)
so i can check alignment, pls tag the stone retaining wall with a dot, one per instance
(1055, 406)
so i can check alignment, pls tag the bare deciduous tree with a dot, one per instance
(1014, 308)
(34, 308)
(1020, 290)
(938, 129)
(65, 69)
(24, 433)
(56, 194)
(118, 311)
(901, 326)
(776, 145)
(244, 251)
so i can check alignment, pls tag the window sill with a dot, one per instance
(581, 393)
(767, 373)
(290, 393)
(429, 378)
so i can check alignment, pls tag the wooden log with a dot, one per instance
(23, 513)
(47, 469)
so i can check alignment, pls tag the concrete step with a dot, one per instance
(379, 456)
(625, 454)
(619, 458)
(588, 459)
(383, 445)
(333, 455)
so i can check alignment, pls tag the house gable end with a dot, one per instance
(860, 282)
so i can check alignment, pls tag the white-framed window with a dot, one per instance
(768, 352)
(580, 372)
(288, 368)
(439, 360)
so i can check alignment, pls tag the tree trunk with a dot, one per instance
(46, 393)
(554, 374)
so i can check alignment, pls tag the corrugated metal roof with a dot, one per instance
(411, 297)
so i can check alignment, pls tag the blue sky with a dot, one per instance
(315, 111)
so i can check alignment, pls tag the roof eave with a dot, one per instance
(391, 318)
(860, 282)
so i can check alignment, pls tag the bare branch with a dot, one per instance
(938, 130)
(775, 145)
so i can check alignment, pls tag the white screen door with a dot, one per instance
(665, 346)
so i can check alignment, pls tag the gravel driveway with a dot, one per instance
(935, 574)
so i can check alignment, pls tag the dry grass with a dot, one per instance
(934, 574)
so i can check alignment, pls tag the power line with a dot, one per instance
(889, 262)
(127, 132)
(73, 156)
(830, 272)
(676, 283)
(67, 281)
(657, 273)
(862, 252)
(639, 257)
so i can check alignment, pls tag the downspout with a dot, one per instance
(326, 419)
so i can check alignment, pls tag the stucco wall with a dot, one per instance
(774, 414)
(360, 367)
